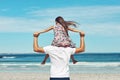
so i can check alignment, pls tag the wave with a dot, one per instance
(80, 64)
(98, 64)
(11, 57)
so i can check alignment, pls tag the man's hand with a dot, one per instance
(82, 34)
(36, 34)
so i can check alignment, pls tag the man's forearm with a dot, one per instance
(82, 45)
(35, 43)
(36, 47)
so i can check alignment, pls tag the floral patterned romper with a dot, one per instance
(61, 39)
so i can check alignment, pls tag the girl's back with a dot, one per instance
(61, 39)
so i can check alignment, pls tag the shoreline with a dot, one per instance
(78, 68)
(46, 76)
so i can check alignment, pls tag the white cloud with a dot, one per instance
(82, 12)
(10, 24)
(103, 20)
(4, 9)
(93, 19)
(105, 29)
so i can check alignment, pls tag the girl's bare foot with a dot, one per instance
(43, 62)
(74, 61)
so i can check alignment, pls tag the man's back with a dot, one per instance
(59, 57)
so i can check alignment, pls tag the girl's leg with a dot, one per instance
(73, 60)
(46, 56)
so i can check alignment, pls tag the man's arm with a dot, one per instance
(82, 44)
(35, 44)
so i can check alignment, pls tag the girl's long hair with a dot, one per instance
(65, 24)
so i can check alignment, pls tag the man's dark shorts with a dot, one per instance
(60, 78)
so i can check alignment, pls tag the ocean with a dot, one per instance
(87, 63)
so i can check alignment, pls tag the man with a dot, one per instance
(59, 57)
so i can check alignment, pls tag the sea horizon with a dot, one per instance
(43, 53)
(87, 63)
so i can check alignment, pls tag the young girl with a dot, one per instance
(61, 36)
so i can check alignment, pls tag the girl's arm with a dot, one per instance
(74, 30)
(46, 30)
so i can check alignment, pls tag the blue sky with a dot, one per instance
(99, 19)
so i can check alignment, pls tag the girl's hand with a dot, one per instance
(36, 34)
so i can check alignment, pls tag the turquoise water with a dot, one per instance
(88, 63)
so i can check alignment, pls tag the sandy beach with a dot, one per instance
(45, 76)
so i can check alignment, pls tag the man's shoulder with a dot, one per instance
(49, 47)
(55, 47)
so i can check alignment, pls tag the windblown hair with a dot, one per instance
(65, 24)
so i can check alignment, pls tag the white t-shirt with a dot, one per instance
(59, 57)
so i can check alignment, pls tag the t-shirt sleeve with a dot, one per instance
(47, 49)
(72, 50)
